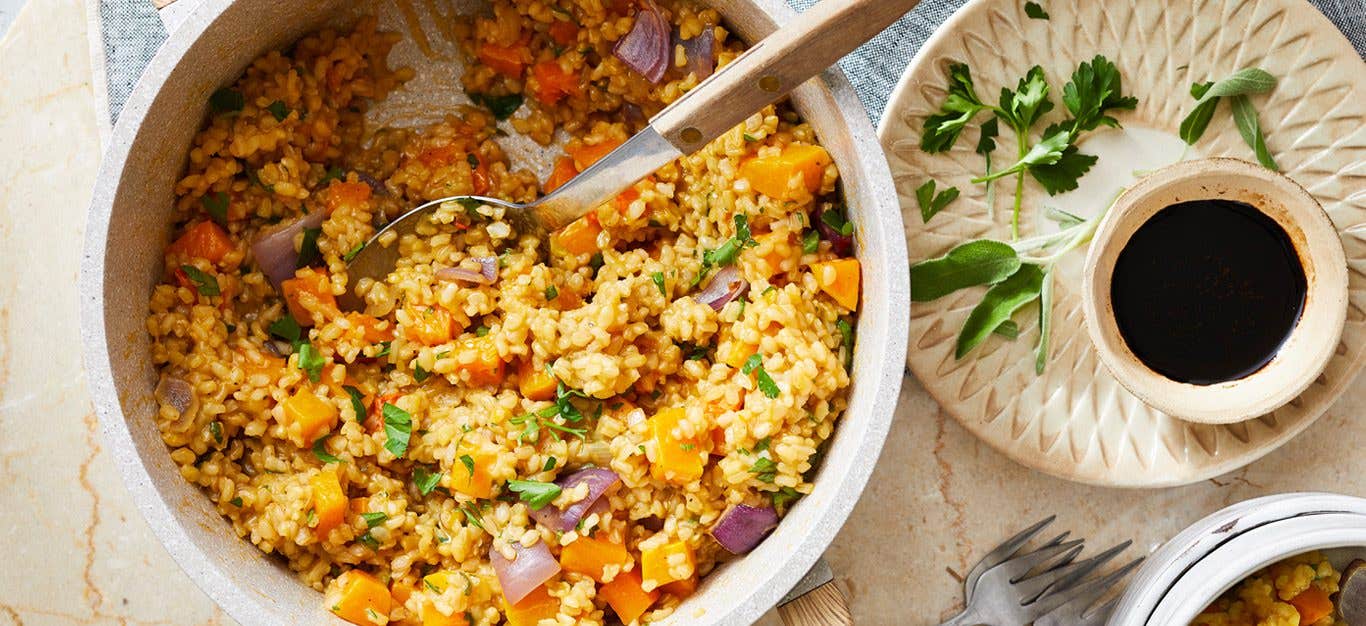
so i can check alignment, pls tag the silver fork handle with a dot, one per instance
(967, 618)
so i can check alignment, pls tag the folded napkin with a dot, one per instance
(130, 31)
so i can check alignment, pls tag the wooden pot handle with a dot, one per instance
(822, 606)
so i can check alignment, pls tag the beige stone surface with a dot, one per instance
(75, 550)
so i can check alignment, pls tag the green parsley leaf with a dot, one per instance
(834, 219)
(846, 340)
(311, 361)
(425, 479)
(320, 450)
(472, 159)
(372, 543)
(374, 519)
(279, 110)
(1034, 11)
(384, 349)
(764, 469)
(237, 502)
(811, 242)
(216, 205)
(357, 402)
(1245, 117)
(1095, 88)
(481, 331)
(286, 328)
(1063, 175)
(767, 385)
(658, 278)
(999, 303)
(216, 430)
(784, 496)
(227, 100)
(986, 141)
(981, 262)
(351, 254)
(502, 107)
(419, 374)
(750, 138)
(468, 462)
(535, 493)
(1021, 108)
(930, 203)
(398, 427)
(551, 293)
(308, 248)
(333, 173)
(941, 129)
(204, 283)
(549, 464)
(472, 516)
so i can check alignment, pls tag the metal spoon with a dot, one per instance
(1352, 594)
(810, 43)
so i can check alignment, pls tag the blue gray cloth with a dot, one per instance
(132, 33)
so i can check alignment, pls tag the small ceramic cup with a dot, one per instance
(1311, 342)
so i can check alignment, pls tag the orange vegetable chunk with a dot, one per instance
(678, 459)
(590, 557)
(579, 237)
(840, 279)
(681, 588)
(626, 596)
(509, 61)
(563, 172)
(429, 326)
(536, 606)
(553, 82)
(772, 175)
(205, 240)
(477, 485)
(486, 367)
(311, 415)
(657, 564)
(308, 287)
(433, 617)
(1313, 604)
(535, 383)
(360, 598)
(586, 155)
(563, 32)
(329, 507)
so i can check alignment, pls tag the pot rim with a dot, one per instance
(838, 487)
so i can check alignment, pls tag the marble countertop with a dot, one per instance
(77, 551)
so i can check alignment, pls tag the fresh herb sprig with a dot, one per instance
(1237, 87)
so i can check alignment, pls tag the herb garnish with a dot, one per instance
(784, 496)
(755, 363)
(351, 254)
(764, 469)
(286, 328)
(310, 361)
(357, 402)
(374, 519)
(1034, 11)
(534, 492)
(398, 427)
(658, 278)
(551, 293)
(308, 248)
(320, 450)
(279, 110)
(1244, 82)
(204, 282)
(216, 205)
(930, 203)
(549, 464)
(472, 516)
(502, 107)
(227, 100)
(533, 422)
(468, 462)
(726, 253)
(811, 242)
(425, 480)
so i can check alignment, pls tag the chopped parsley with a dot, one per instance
(535, 493)
(425, 479)
(726, 253)
(311, 361)
(834, 219)
(764, 469)
(755, 363)
(658, 278)
(811, 242)
(227, 100)
(333, 173)
(237, 502)
(216, 429)
(286, 328)
(308, 248)
(472, 516)
(420, 374)
(372, 543)
(351, 254)
(320, 450)
(750, 138)
(502, 107)
(279, 110)
(481, 331)
(846, 340)
(551, 293)
(549, 464)
(204, 282)
(357, 402)
(468, 462)
(533, 422)
(216, 205)
(784, 496)
(374, 519)
(398, 427)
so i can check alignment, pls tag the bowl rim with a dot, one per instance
(1305, 351)
(838, 486)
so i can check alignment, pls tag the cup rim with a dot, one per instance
(1308, 347)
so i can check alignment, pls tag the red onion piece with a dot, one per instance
(725, 286)
(274, 250)
(489, 266)
(645, 48)
(519, 577)
(485, 275)
(700, 52)
(179, 395)
(742, 527)
(599, 481)
(840, 244)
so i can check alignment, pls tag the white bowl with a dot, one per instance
(1210, 556)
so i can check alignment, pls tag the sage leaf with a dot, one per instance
(1193, 127)
(981, 262)
(1244, 82)
(1045, 322)
(1008, 329)
(999, 303)
(1245, 117)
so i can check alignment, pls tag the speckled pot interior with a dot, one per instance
(130, 220)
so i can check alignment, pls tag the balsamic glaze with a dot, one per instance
(1207, 291)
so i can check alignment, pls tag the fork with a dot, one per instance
(1001, 591)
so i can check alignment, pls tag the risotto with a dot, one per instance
(571, 431)
(1297, 591)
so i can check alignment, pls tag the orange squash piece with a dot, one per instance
(840, 279)
(564, 171)
(329, 507)
(476, 485)
(433, 617)
(341, 193)
(536, 606)
(678, 459)
(586, 155)
(772, 175)
(373, 329)
(535, 383)
(205, 240)
(1313, 604)
(553, 82)
(487, 367)
(654, 563)
(590, 557)
(509, 61)
(308, 286)
(429, 326)
(681, 588)
(579, 237)
(311, 415)
(563, 32)
(361, 596)
(626, 596)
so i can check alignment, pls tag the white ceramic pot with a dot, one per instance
(1212, 555)
(130, 224)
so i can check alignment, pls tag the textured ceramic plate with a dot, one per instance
(1075, 421)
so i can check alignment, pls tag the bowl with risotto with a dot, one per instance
(661, 413)
(1283, 560)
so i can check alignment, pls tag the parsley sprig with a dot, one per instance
(534, 493)
(563, 409)
(727, 252)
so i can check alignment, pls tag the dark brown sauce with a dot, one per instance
(1207, 291)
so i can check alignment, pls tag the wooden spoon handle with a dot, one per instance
(797, 51)
(822, 606)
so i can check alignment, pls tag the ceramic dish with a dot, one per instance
(1211, 556)
(1075, 420)
(129, 225)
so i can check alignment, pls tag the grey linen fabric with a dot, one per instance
(132, 33)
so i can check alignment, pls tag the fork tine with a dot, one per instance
(1016, 568)
(1085, 594)
(1069, 575)
(1003, 552)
